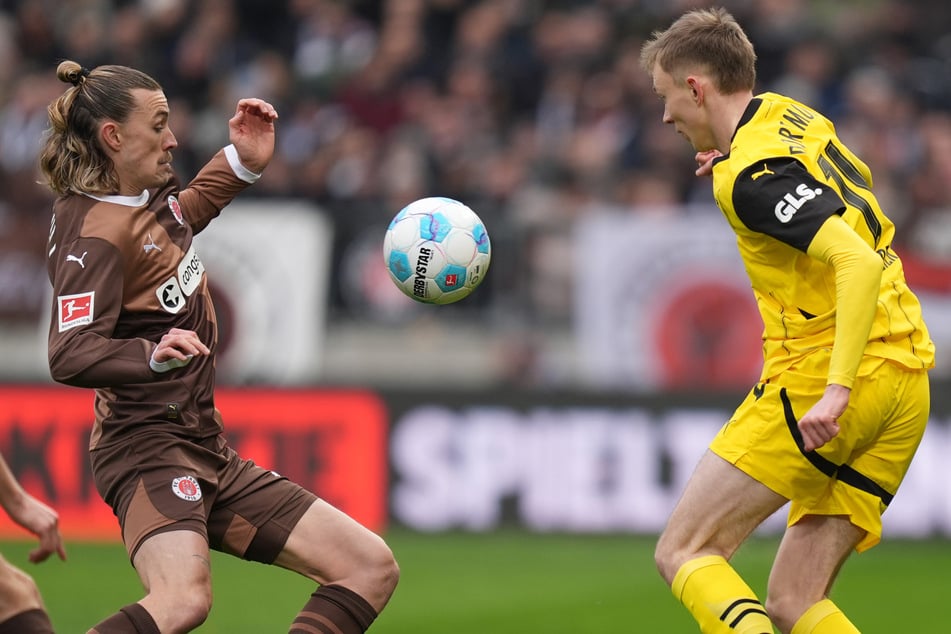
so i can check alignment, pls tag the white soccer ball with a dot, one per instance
(436, 250)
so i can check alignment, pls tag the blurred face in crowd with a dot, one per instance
(141, 146)
(683, 106)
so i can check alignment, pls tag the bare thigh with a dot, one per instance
(175, 569)
(718, 510)
(329, 546)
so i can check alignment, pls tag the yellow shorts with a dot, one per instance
(855, 474)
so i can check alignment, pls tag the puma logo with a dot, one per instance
(762, 172)
(150, 245)
(72, 258)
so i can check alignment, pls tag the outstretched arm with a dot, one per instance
(252, 133)
(31, 514)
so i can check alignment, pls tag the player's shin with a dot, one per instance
(719, 600)
(337, 607)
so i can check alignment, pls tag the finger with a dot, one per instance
(184, 343)
(807, 444)
(39, 555)
(257, 107)
(197, 347)
(56, 546)
(810, 440)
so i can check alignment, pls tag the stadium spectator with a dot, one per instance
(362, 82)
(21, 606)
(843, 399)
(133, 319)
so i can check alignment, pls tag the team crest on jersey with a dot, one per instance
(75, 310)
(176, 209)
(186, 487)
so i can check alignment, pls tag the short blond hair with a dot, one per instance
(710, 39)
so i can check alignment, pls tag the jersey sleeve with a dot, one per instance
(780, 198)
(215, 185)
(858, 276)
(87, 300)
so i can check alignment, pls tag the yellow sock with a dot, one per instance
(824, 618)
(719, 599)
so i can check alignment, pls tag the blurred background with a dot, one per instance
(615, 331)
(535, 114)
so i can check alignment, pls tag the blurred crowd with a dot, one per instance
(533, 112)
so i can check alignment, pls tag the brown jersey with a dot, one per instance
(124, 272)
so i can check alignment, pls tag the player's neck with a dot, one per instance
(729, 111)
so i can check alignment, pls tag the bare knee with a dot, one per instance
(19, 591)
(669, 556)
(179, 608)
(779, 610)
(786, 607)
(383, 572)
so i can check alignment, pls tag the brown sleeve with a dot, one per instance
(210, 191)
(87, 301)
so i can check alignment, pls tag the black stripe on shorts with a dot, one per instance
(844, 473)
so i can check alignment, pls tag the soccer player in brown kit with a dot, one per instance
(21, 606)
(843, 398)
(133, 319)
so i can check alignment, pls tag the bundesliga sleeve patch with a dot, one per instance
(75, 310)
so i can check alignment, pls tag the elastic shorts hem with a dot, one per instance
(182, 525)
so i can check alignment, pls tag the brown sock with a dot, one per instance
(34, 621)
(132, 619)
(334, 610)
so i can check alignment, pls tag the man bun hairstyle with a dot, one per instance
(72, 159)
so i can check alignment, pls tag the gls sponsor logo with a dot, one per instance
(789, 205)
(172, 293)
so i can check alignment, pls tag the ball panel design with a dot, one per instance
(435, 227)
(459, 247)
(399, 266)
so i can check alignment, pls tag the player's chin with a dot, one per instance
(164, 176)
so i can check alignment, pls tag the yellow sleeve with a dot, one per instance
(858, 277)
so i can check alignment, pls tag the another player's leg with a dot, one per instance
(847, 516)
(175, 569)
(354, 566)
(21, 606)
(809, 558)
(719, 509)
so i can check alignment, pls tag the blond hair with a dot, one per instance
(72, 159)
(708, 39)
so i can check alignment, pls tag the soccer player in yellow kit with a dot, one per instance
(843, 399)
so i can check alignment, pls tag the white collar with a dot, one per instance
(128, 201)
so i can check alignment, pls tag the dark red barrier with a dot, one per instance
(332, 442)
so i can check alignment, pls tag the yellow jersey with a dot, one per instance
(785, 175)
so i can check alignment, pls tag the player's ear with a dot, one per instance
(696, 89)
(109, 135)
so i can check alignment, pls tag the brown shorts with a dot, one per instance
(159, 483)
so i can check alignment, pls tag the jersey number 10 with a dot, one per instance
(836, 166)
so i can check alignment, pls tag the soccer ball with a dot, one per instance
(436, 250)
